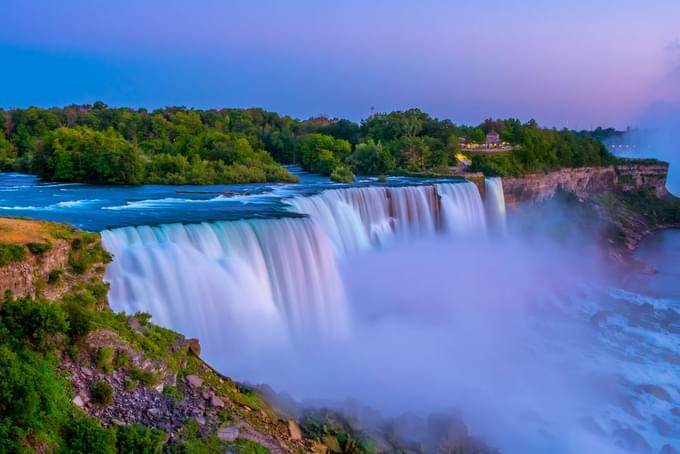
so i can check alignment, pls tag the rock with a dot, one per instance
(194, 381)
(207, 394)
(216, 402)
(200, 420)
(228, 434)
(154, 412)
(78, 402)
(194, 346)
(294, 430)
(159, 387)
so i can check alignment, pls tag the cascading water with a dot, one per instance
(495, 201)
(462, 208)
(228, 281)
(357, 218)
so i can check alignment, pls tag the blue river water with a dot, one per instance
(98, 207)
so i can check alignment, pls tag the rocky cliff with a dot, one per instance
(629, 200)
(586, 181)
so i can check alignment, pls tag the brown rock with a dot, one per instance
(194, 346)
(194, 381)
(294, 430)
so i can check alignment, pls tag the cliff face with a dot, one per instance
(26, 278)
(586, 181)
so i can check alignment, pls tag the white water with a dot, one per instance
(357, 219)
(228, 282)
(218, 280)
(495, 201)
(462, 208)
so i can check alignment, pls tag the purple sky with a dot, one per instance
(577, 63)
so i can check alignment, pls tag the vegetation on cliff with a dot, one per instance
(176, 145)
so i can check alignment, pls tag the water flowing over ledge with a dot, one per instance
(217, 279)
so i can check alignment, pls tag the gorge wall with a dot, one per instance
(586, 180)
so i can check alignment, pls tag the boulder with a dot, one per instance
(194, 381)
(217, 402)
(194, 346)
(78, 402)
(294, 430)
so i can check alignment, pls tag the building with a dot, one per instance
(492, 138)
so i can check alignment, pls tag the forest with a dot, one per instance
(177, 145)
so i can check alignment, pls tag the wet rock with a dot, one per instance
(294, 430)
(194, 381)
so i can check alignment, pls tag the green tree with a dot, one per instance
(371, 158)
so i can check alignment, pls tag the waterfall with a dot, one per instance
(229, 280)
(495, 201)
(356, 219)
(461, 207)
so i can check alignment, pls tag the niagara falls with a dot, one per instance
(257, 227)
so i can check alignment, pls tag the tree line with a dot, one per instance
(176, 145)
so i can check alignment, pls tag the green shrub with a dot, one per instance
(146, 378)
(55, 276)
(80, 319)
(39, 248)
(121, 359)
(102, 392)
(33, 397)
(10, 253)
(84, 435)
(139, 440)
(129, 384)
(34, 321)
(342, 174)
(105, 359)
(173, 393)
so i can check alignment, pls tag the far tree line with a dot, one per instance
(176, 145)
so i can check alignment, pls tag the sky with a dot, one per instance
(577, 63)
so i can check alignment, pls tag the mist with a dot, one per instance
(655, 135)
(526, 334)
(488, 327)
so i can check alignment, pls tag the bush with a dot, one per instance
(80, 319)
(39, 248)
(84, 435)
(33, 396)
(102, 392)
(55, 276)
(105, 359)
(10, 253)
(34, 321)
(342, 174)
(146, 378)
(121, 359)
(139, 440)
